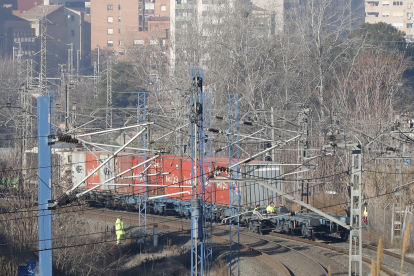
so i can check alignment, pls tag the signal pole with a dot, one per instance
(200, 118)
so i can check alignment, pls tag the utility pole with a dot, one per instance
(397, 206)
(44, 186)
(25, 123)
(70, 60)
(67, 114)
(234, 189)
(43, 53)
(355, 251)
(109, 95)
(95, 80)
(303, 147)
(142, 156)
(272, 121)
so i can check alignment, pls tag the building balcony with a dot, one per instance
(373, 3)
(371, 14)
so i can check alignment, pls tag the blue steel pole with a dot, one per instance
(234, 191)
(142, 156)
(44, 186)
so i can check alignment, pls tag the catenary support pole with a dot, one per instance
(355, 250)
(44, 186)
(142, 156)
(234, 191)
(197, 173)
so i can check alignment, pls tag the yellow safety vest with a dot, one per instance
(365, 212)
(270, 209)
(119, 227)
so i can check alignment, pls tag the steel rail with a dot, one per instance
(267, 256)
(289, 248)
(333, 248)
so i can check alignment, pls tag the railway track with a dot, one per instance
(285, 258)
(221, 234)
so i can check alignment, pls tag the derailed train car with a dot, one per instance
(167, 181)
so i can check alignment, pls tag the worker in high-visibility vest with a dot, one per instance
(365, 216)
(271, 208)
(257, 209)
(15, 182)
(119, 229)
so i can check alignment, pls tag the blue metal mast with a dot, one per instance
(142, 156)
(197, 116)
(234, 189)
(44, 186)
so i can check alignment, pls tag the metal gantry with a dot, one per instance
(234, 191)
(142, 156)
(355, 234)
(200, 264)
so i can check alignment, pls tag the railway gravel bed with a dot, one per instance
(289, 258)
(324, 256)
(253, 262)
(390, 262)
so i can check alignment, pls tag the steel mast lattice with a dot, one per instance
(200, 236)
(142, 156)
(234, 191)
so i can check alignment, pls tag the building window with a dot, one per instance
(72, 18)
(72, 32)
(110, 19)
(398, 14)
(119, 7)
(110, 43)
(409, 15)
(163, 7)
(119, 19)
(409, 25)
(138, 42)
(153, 42)
(397, 3)
(119, 43)
(385, 14)
(110, 7)
(385, 3)
(69, 158)
(140, 29)
(119, 31)
(110, 31)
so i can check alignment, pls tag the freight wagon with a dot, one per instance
(167, 182)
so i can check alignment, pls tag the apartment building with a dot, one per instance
(119, 25)
(68, 30)
(400, 14)
(77, 5)
(16, 35)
